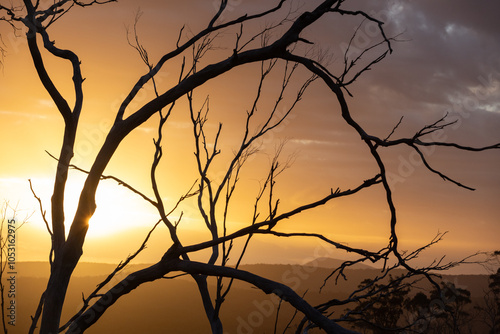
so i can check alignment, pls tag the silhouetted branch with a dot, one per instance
(169, 264)
(367, 255)
(95, 294)
(266, 223)
(38, 313)
(377, 287)
(111, 177)
(42, 211)
(394, 129)
(444, 177)
(370, 18)
(214, 195)
(180, 49)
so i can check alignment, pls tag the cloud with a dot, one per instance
(306, 142)
(447, 60)
(46, 103)
(448, 49)
(21, 114)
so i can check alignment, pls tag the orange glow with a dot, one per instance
(329, 154)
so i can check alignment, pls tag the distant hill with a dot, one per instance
(174, 305)
(331, 263)
(83, 269)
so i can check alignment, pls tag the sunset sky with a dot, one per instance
(446, 60)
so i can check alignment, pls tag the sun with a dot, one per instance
(118, 209)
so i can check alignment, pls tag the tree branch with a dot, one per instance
(168, 264)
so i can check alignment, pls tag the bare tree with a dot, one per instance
(279, 46)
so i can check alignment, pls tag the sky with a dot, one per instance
(445, 61)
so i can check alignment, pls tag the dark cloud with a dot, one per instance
(452, 47)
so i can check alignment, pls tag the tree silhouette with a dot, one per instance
(417, 318)
(389, 307)
(382, 308)
(495, 307)
(280, 46)
(489, 310)
(450, 313)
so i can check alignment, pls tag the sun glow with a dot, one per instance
(118, 209)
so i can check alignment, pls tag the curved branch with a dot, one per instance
(370, 18)
(180, 49)
(374, 257)
(119, 267)
(60, 102)
(271, 222)
(77, 74)
(267, 286)
(167, 264)
(122, 128)
(444, 177)
(132, 281)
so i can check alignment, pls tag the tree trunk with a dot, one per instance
(65, 261)
(55, 295)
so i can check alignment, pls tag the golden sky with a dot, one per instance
(447, 61)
